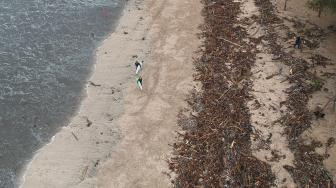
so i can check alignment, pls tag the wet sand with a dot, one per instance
(121, 135)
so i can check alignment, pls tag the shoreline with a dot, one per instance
(55, 60)
(259, 134)
(84, 95)
(85, 153)
(90, 91)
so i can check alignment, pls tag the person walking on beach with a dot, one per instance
(139, 82)
(138, 66)
(298, 42)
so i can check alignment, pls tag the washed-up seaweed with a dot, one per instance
(319, 60)
(214, 148)
(308, 169)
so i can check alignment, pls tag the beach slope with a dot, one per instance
(121, 135)
(149, 121)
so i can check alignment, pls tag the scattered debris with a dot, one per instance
(109, 117)
(256, 104)
(276, 156)
(308, 169)
(332, 27)
(312, 44)
(96, 163)
(84, 172)
(274, 74)
(318, 112)
(88, 122)
(333, 99)
(328, 74)
(94, 84)
(73, 134)
(319, 60)
(231, 42)
(214, 150)
(330, 143)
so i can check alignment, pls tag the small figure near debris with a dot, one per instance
(139, 82)
(298, 42)
(318, 112)
(138, 66)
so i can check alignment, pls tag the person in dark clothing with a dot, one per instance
(138, 66)
(298, 42)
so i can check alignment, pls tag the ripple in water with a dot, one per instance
(46, 49)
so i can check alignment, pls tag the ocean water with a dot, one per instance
(46, 56)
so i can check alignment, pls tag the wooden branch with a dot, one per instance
(73, 134)
(230, 42)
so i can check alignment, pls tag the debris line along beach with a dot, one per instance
(257, 119)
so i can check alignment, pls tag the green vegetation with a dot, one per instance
(322, 5)
(317, 84)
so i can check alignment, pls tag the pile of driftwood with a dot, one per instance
(214, 150)
(308, 169)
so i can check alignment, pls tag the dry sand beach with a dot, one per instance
(149, 120)
(120, 136)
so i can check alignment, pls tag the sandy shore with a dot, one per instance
(149, 121)
(120, 136)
